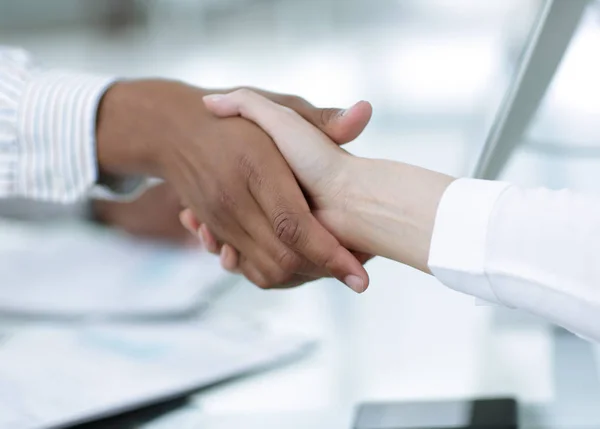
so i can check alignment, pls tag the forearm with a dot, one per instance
(392, 209)
(528, 249)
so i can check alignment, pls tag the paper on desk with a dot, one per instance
(84, 272)
(54, 376)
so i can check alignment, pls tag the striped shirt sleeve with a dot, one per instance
(47, 132)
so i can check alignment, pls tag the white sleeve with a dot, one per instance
(47, 132)
(535, 250)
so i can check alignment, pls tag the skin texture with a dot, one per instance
(153, 216)
(377, 207)
(230, 174)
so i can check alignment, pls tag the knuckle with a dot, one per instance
(287, 228)
(289, 262)
(326, 115)
(262, 283)
(262, 275)
(271, 275)
(244, 93)
(247, 168)
(245, 164)
(279, 277)
(213, 217)
(291, 101)
(289, 112)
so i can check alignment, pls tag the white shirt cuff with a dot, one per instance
(123, 189)
(55, 152)
(458, 246)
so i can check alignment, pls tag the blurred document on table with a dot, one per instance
(76, 271)
(54, 376)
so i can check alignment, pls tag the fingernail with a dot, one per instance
(215, 98)
(185, 223)
(355, 283)
(223, 257)
(201, 237)
(227, 258)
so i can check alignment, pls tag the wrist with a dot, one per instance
(132, 128)
(391, 209)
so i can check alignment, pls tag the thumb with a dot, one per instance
(341, 125)
(309, 152)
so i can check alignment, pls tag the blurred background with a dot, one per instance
(435, 69)
(436, 72)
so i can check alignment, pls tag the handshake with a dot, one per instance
(266, 184)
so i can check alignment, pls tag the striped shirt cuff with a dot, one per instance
(48, 134)
(57, 135)
(56, 129)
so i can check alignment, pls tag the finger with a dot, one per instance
(275, 271)
(293, 223)
(297, 140)
(308, 237)
(363, 258)
(178, 235)
(208, 239)
(275, 261)
(188, 220)
(192, 242)
(306, 269)
(229, 258)
(270, 272)
(341, 125)
(190, 223)
(253, 274)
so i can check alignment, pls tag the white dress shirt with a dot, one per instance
(47, 132)
(535, 250)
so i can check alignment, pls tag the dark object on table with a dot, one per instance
(498, 413)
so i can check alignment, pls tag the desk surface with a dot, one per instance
(407, 338)
(288, 420)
